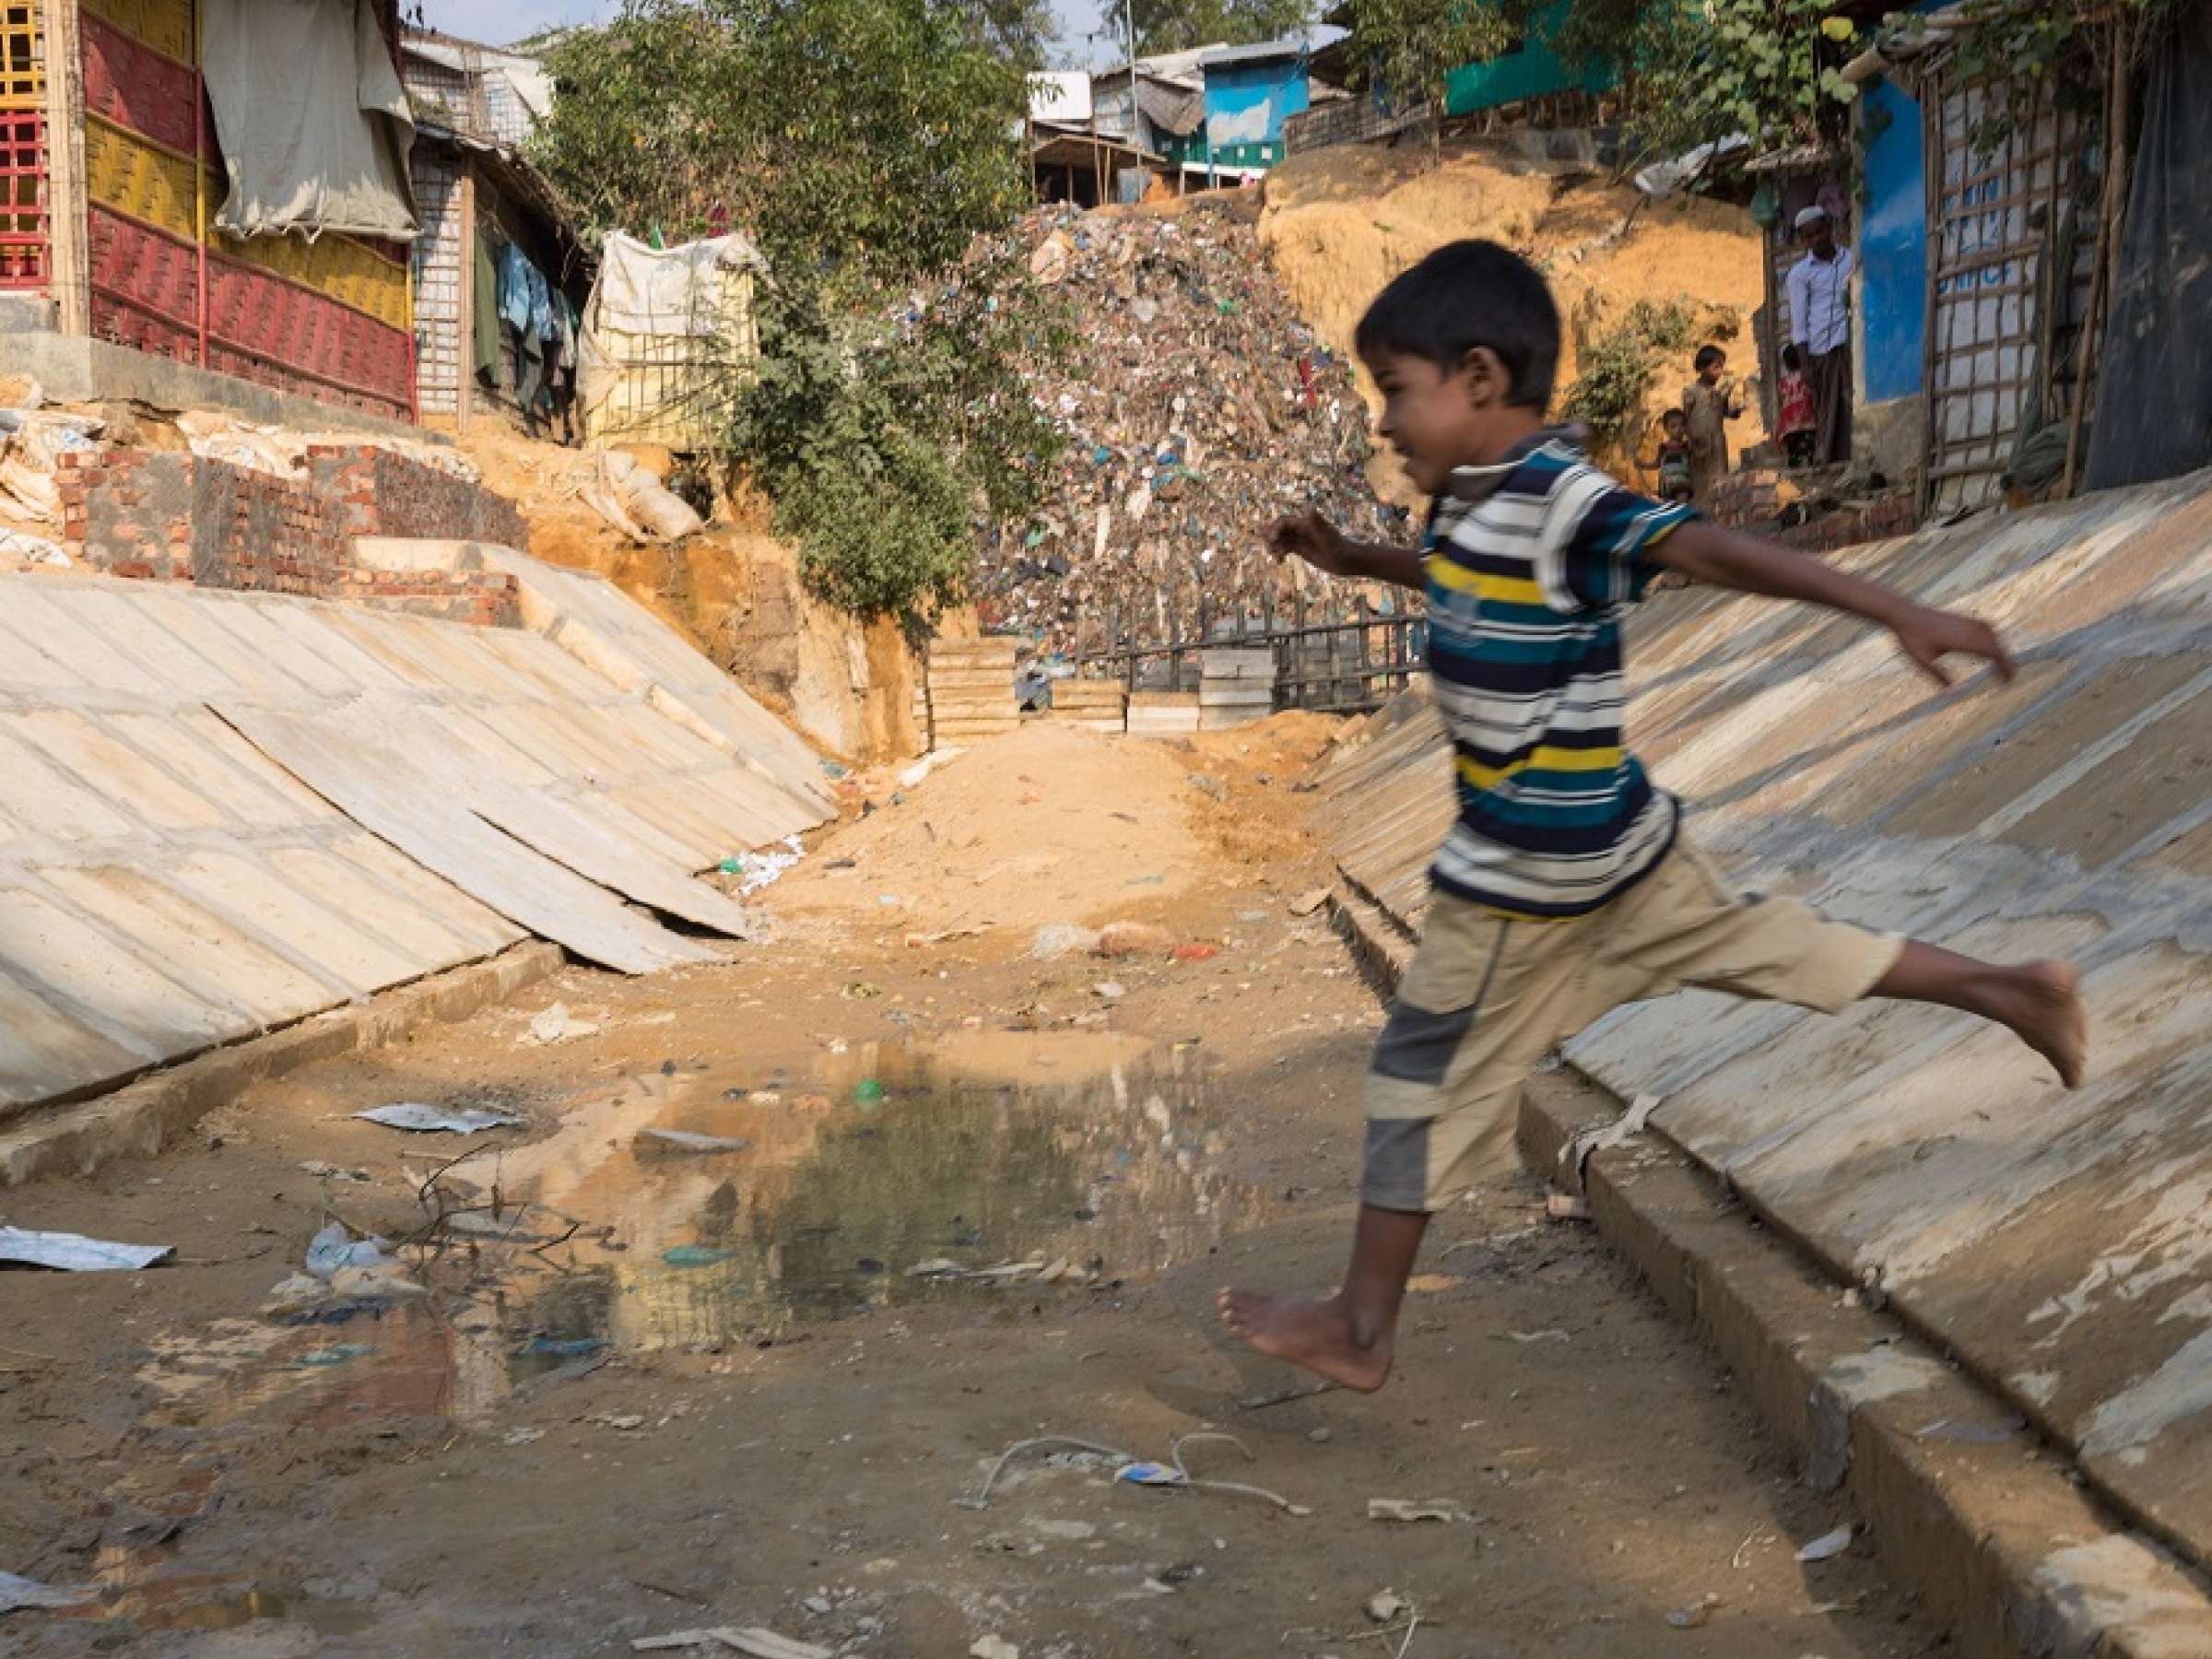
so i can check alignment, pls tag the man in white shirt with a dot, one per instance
(1819, 294)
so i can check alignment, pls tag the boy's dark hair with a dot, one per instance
(1792, 358)
(1673, 417)
(1709, 357)
(1468, 294)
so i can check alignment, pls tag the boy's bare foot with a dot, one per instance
(2041, 1003)
(1316, 1335)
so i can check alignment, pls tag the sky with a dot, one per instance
(497, 22)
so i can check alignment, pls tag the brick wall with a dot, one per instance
(1752, 499)
(154, 515)
(381, 493)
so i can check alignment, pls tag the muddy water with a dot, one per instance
(865, 1179)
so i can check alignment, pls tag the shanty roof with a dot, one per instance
(1060, 147)
(1265, 51)
(1171, 107)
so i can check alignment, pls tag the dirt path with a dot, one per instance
(724, 1397)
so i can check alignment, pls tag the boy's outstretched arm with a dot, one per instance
(1706, 553)
(1328, 548)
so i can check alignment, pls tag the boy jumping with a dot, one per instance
(1567, 888)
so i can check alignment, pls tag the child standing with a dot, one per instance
(1711, 402)
(1795, 418)
(1673, 461)
(1567, 887)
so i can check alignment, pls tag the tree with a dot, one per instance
(870, 136)
(1180, 25)
(1017, 31)
(1410, 46)
(871, 148)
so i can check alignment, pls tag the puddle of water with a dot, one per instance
(984, 1149)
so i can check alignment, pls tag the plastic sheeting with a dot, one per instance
(313, 119)
(2153, 416)
(662, 330)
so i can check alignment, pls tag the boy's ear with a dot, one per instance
(1487, 380)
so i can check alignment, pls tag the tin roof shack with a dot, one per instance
(475, 105)
(2055, 225)
(1167, 94)
(162, 190)
(1250, 92)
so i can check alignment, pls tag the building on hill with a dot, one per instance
(1250, 92)
(490, 221)
(160, 214)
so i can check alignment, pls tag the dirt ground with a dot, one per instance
(652, 1388)
(1340, 223)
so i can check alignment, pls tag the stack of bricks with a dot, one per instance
(159, 516)
(1753, 500)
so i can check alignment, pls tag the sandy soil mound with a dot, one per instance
(1340, 223)
(1052, 824)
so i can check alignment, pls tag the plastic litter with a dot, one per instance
(762, 869)
(1828, 1544)
(17, 1592)
(414, 1116)
(339, 1354)
(1387, 1604)
(1693, 1617)
(927, 764)
(1578, 1151)
(1062, 938)
(694, 1256)
(73, 1252)
(26, 548)
(1196, 407)
(686, 1140)
(1404, 1509)
(624, 493)
(993, 1647)
(757, 1640)
(335, 1247)
(555, 1025)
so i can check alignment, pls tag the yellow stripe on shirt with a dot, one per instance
(1505, 590)
(1544, 758)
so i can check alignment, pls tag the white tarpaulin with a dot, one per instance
(662, 330)
(312, 117)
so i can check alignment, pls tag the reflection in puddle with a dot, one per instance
(1094, 1153)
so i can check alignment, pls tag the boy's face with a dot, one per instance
(1436, 420)
(1674, 423)
(1710, 370)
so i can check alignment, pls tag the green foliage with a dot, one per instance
(866, 144)
(1616, 371)
(1410, 46)
(882, 443)
(873, 136)
(1180, 25)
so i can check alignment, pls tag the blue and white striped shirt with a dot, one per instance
(1531, 564)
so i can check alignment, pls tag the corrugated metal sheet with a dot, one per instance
(165, 884)
(2057, 1241)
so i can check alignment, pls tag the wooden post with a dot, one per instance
(68, 227)
(199, 176)
(1932, 164)
(2112, 208)
(466, 353)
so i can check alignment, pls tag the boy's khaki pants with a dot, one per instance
(1488, 994)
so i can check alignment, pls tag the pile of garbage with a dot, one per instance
(1196, 407)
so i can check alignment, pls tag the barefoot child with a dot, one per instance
(1567, 887)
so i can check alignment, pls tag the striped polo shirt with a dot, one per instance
(1531, 565)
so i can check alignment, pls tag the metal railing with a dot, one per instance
(1334, 659)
